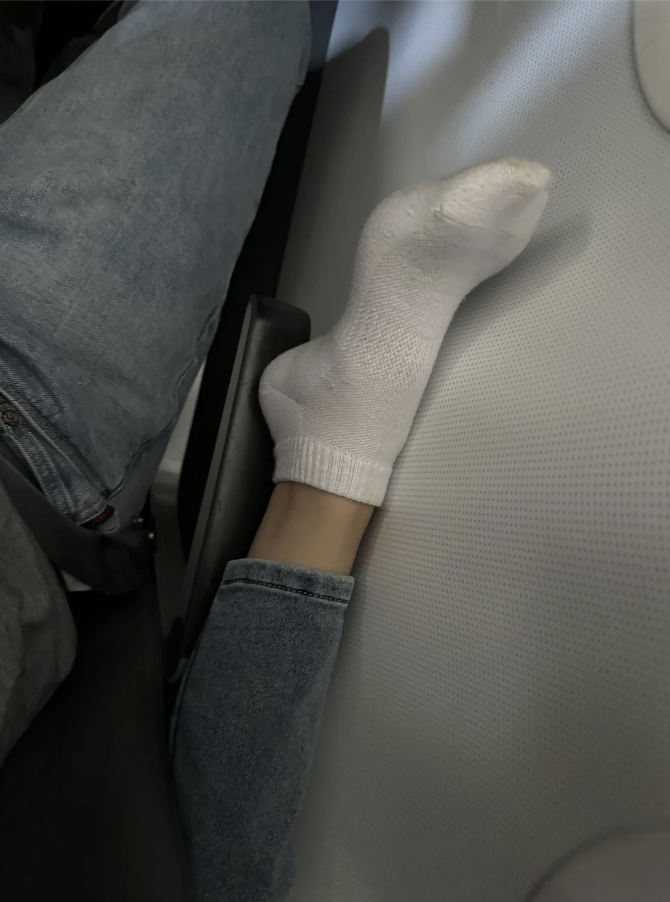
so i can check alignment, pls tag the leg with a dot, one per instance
(309, 528)
(340, 409)
(37, 635)
(127, 186)
(247, 717)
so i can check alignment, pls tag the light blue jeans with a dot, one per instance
(246, 722)
(127, 187)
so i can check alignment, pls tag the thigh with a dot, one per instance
(127, 186)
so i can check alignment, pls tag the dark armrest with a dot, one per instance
(239, 483)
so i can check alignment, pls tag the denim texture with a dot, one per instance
(127, 186)
(246, 721)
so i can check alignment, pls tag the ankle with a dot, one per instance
(311, 528)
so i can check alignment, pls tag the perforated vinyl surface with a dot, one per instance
(503, 689)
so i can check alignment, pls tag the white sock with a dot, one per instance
(341, 406)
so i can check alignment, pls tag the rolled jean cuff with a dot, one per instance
(290, 578)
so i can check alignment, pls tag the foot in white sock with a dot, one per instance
(340, 407)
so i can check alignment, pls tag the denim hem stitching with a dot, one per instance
(258, 582)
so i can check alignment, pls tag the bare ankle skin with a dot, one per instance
(311, 528)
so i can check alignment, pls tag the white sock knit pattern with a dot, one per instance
(341, 406)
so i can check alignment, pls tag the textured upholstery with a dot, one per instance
(502, 694)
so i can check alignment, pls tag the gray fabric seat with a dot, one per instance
(501, 697)
(629, 868)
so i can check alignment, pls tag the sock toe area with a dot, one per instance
(508, 195)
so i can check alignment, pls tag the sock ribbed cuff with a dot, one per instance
(307, 460)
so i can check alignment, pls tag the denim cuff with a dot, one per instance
(290, 578)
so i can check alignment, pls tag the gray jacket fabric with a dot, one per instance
(38, 639)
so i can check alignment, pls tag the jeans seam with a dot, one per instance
(266, 585)
(37, 441)
(191, 369)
